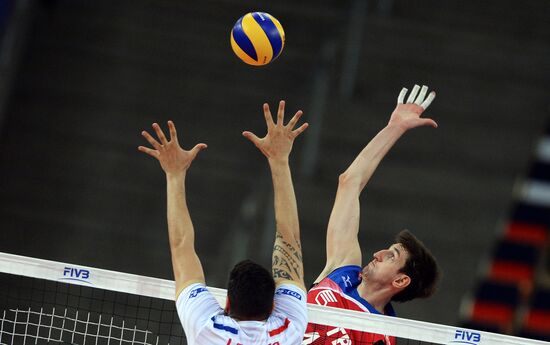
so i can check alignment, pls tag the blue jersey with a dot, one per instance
(339, 290)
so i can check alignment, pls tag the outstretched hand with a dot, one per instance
(407, 115)
(277, 143)
(172, 158)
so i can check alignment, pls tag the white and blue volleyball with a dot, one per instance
(257, 38)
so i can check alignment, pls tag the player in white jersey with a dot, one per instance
(262, 308)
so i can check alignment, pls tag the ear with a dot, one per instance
(227, 306)
(401, 282)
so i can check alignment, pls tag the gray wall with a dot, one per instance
(95, 73)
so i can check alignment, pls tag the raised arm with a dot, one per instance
(175, 162)
(342, 243)
(287, 263)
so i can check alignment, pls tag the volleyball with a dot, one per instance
(257, 38)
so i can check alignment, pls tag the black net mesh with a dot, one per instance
(37, 311)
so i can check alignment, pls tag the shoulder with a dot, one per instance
(290, 301)
(197, 309)
(346, 277)
(190, 291)
(348, 269)
(338, 289)
(295, 285)
(195, 304)
(291, 290)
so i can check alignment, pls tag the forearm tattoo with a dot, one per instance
(278, 273)
(287, 259)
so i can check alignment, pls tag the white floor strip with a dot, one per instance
(536, 192)
(543, 150)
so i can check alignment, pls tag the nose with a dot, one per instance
(378, 255)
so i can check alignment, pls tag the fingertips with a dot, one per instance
(150, 152)
(281, 112)
(401, 97)
(249, 135)
(431, 123)
(198, 148)
(301, 129)
(428, 100)
(295, 119)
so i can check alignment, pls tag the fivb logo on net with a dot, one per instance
(76, 274)
(469, 337)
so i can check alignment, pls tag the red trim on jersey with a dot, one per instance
(327, 335)
(328, 284)
(279, 330)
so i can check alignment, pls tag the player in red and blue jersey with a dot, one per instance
(401, 272)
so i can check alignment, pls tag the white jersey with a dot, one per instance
(204, 321)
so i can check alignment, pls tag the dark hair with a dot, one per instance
(250, 290)
(420, 266)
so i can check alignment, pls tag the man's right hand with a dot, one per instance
(277, 143)
(407, 115)
(287, 265)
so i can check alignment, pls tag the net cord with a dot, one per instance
(164, 289)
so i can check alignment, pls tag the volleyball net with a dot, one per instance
(47, 302)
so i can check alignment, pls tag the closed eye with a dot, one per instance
(396, 253)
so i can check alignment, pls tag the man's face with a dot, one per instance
(385, 265)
